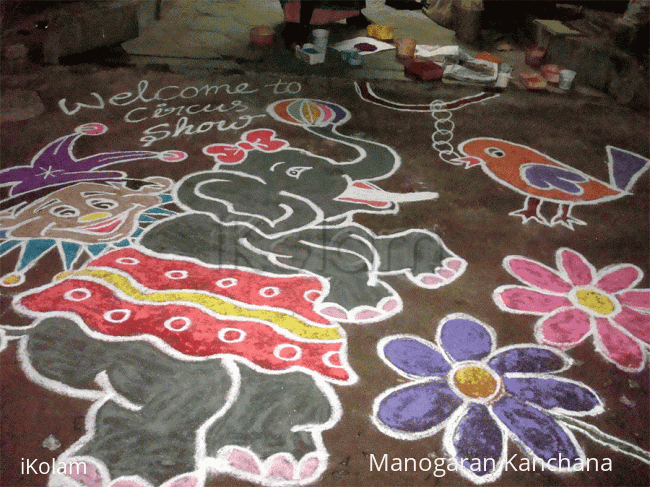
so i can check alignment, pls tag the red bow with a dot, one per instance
(261, 139)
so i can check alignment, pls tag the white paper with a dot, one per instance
(350, 43)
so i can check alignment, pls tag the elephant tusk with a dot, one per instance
(374, 196)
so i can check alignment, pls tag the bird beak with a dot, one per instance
(469, 161)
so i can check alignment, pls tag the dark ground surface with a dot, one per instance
(471, 216)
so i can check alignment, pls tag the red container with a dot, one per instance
(551, 72)
(262, 36)
(423, 70)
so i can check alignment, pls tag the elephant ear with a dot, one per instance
(237, 197)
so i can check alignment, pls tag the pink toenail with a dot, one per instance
(281, 468)
(334, 313)
(185, 481)
(308, 467)
(84, 472)
(432, 280)
(446, 273)
(244, 461)
(127, 483)
(390, 305)
(366, 315)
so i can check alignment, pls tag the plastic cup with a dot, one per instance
(405, 46)
(566, 78)
(320, 39)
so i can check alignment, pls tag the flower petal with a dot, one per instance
(536, 274)
(619, 348)
(564, 329)
(465, 338)
(415, 358)
(639, 298)
(637, 323)
(537, 430)
(477, 441)
(418, 408)
(579, 271)
(527, 360)
(526, 300)
(554, 393)
(621, 277)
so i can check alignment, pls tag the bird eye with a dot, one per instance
(102, 203)
(64, 211)
(495, 152)
(295, 172)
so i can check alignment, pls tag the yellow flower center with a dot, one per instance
(595, 301)
(475, 382)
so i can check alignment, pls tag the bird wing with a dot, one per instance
(543, 176)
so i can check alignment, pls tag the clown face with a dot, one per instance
(86, 212)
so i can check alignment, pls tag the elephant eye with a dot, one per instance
(495, 152)
(295, 172)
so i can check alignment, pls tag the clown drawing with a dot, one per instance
(71, 204)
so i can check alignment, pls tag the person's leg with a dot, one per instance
(297, 33)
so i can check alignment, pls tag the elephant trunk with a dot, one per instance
(375, 161)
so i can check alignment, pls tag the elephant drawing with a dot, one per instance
(210, 345)
(279, 209)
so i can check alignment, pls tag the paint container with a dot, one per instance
(405, 47)
(352, 57)
(423, 70)
(310, 54)
(262, 36)
(320, 39)
(505, 73)
(533, 81)
(381, 32)
(551, 72)
(566, 79)
(535, 56)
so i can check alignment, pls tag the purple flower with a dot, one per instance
(481, 396)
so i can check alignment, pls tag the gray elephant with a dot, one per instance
(268, 206)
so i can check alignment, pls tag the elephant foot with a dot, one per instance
(89, 472)
(386, 308)
(451, 269)
(278, 469)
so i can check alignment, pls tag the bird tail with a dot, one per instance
(625, 167)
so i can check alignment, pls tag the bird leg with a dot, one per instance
(530, 211)
(564, 217)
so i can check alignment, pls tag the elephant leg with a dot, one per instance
(273, 428)
(422, 256)
(151, 409)
(346, 258)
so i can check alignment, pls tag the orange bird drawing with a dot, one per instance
(543, 179)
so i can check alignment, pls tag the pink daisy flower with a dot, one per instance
(576, 301)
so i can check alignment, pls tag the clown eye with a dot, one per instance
(102, 203)
(64, 211)
(295, 172)
(495, 152)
